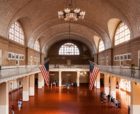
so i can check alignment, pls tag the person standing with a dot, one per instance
(12, 109)
(19, 105)
(108, 97)
(133, 70)
(128, 109)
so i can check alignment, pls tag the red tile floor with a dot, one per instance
(62, 101)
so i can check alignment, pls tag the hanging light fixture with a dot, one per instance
(70, 13)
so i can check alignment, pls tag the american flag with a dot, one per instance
(94, 70)
(45, 72)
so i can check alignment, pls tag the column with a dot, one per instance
(4, 98)
(40, 81)
(78, 78)
(25, 93)
(98, 81)
(60, 78)
(15, 86)
(135, 98)
(32, 85)
(95, 84)
(106, 84)
(113, 87)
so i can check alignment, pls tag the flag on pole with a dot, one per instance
(94, 70)
(45, 72)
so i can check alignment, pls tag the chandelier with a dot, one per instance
(71, 14)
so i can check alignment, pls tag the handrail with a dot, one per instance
(68, 66)
(16, 71)
(122, 71)
(11, 67)
(6, 72)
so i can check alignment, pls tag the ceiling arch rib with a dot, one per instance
(63, 36)
(34, 10)
(62, 28)
(73, 35)
(112, 24)
(96, 30)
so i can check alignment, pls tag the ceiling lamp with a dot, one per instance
(70, 13)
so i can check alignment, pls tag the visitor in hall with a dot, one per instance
(19, 104)
(117, 103)
(132, 70)
(13, 109)
(128, 109)
(108, 96)
(102, 97)
(54, 83)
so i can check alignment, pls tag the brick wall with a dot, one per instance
(33, 57)
(104, 58)
(133, 46)
(83, 58)
(11, 46)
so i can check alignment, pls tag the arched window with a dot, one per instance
(122, 34)
(16, 33)
(101, 46)
(37, 46)
(69, 49)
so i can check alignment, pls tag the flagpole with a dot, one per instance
(92, 62)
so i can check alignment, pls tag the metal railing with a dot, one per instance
(122, 71)
(11, 71)
(7, 72)
(69, 66)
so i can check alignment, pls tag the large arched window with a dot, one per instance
(16, 33)
(37, 46)
(69, 49)
(101, 46)
(122, 34)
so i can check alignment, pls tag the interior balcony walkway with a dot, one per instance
(68, 101)
(22, 71)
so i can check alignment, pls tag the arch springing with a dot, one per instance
(69, 49)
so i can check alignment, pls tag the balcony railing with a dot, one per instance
(52, 66)
(11, 71)
(122, 71)
(7, 72)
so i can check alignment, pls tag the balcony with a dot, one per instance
(72, 68)
(51, 66)
(122, 71)
(12, 72)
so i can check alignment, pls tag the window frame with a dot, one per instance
(16, 33)
(103, 46)
(126, 35)
(37, 46)
(64, 50)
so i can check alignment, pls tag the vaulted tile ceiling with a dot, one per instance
(40, 21)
